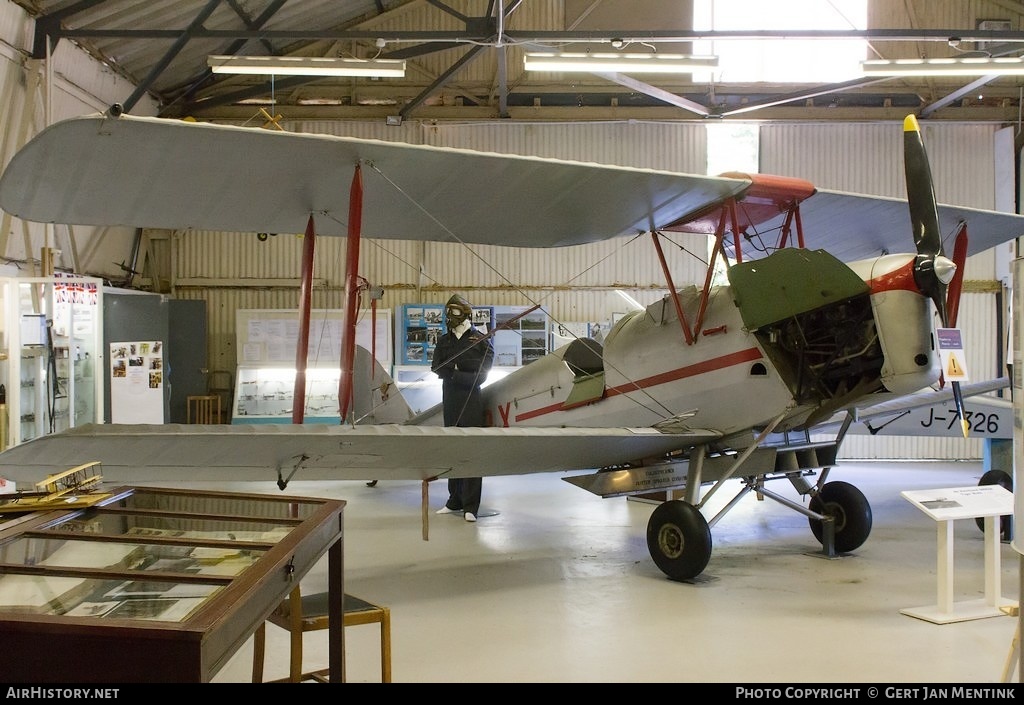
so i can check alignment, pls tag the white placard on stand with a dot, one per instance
(945, 506)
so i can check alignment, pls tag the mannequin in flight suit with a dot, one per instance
(462, 358)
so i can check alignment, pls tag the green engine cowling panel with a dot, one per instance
(789, 282)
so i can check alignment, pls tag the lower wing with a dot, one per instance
(933, 413)
(147, 453)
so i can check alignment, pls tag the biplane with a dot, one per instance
(713, 383)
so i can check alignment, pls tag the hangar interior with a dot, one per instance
(552, 584)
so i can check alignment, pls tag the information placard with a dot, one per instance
(962, 502)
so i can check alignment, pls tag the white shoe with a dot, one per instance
(446, 510)
(470, 516)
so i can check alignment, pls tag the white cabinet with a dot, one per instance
(51, 350)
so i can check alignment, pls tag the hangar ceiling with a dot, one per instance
(464, 60)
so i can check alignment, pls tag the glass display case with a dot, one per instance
(155, 584)
(265, 376)
(266, 395)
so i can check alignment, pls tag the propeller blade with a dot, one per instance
(953, 308)
(957, 282)
(924, 217)
(958, 399)
(933, 271)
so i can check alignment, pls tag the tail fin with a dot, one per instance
(376, 398)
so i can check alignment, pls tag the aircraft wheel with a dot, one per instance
(1003, 479)
(850, 510)
(679, 539)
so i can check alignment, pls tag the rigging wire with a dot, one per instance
(535, 301)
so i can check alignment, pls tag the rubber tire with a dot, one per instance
(679, 539)
(1002, 478)
(851, 511)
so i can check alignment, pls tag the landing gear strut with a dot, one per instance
(679, 537)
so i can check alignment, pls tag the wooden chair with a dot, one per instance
(203, 409)
(312, 614)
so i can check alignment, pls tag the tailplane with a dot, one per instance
(376, 398)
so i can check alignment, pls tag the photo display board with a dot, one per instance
(420, 325)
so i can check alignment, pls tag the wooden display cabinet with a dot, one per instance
(155, 584)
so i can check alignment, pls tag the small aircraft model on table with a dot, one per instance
(725, 381)
(75, 487)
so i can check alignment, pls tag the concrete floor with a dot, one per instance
(558, 586)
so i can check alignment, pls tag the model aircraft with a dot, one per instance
(709, 384)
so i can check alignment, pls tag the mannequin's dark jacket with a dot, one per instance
(463, 364)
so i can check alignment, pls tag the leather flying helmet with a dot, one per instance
(456, 311)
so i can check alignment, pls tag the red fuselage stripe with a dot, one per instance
(718, 363)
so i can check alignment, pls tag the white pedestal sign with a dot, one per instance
(946, 506)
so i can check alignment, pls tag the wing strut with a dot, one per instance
(348, 324)
(672, 290)
(302, 346)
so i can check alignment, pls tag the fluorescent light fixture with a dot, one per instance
(307, 66)
(966, 66)
(625, 63)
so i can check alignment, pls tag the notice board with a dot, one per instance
(268, 337)
(137, 382)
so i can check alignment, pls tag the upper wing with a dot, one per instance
(137, 453)
(153, 172)
(853, 227)
(850, 226)
(158, 173)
